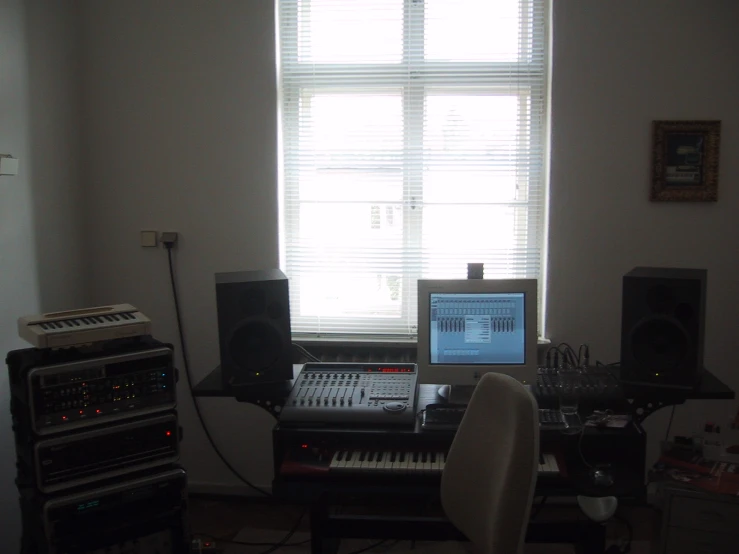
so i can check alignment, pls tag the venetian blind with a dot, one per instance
(413, 141)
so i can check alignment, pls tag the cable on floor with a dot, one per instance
(190, 381)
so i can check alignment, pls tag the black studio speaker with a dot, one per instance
(662, 326)
(254, 327)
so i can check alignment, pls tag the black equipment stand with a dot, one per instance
(643, 400)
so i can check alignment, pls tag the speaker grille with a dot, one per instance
(660, 299)
(660, 343)
(255, 346)
(253, 302)
(254, 327)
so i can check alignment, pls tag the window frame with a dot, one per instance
(523, 77)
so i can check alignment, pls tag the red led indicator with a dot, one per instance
(303, 446)
(169, 433)
(64, 418)
(82, 412)
(97, 411)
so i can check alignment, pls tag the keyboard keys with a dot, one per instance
(398, 462)
(548, 465)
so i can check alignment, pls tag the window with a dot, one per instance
(413, 138)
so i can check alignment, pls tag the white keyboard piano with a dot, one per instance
(75, 327)
(368, 461)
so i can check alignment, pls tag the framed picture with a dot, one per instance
(685, 161)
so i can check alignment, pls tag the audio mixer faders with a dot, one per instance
(338, 393)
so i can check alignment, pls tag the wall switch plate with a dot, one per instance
(148, 239)
(8, 165)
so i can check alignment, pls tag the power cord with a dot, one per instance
(305, 353)
(370, 547)
(287, 537)
(169, 245)
(246, 543)
(669, 425)
(614, 548)
(539, 507)
(607, 368)
(579, 444)
(273, 545)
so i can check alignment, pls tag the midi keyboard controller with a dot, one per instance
(353, 393)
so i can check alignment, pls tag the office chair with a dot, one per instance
(488, 482)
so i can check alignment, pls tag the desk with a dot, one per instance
(327, 526)
(367, 512)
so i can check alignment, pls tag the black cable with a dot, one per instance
(669, 425)
(305, 353)
(583, 356)
(629, 530)
(539, 506)
(569, 354)
(607, 366)
(189, 377)
(286, 538)
(370, 547)
(245, 543)
(579, 444)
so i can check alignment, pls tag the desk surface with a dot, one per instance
(710, 388)
(212, 385)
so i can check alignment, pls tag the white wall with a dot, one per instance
(40, 248)
(617, 67)
(180, 134)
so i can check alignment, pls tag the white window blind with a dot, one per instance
(413, 138)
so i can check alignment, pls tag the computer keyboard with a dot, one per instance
(551, 420)
(445, 417)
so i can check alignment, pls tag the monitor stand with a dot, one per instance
(456, 394)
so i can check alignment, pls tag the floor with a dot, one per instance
(229, 521)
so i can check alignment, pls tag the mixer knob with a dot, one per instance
(350, 401)
(333, 401)
(325, 401)
(302, 402)
(341, 402)
(310, 402)
(294, 402)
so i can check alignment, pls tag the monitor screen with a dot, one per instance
(477, 328)
(468, 327)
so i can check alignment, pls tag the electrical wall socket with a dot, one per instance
(169, 238)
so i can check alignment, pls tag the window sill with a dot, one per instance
(367, 349)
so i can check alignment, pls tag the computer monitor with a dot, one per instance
(470, 327)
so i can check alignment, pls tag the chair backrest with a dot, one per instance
(488, 481)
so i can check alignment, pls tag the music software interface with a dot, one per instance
(479, 328)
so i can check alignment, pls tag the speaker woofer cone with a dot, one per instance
(660, 343)
(255, 346)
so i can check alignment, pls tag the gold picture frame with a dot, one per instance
(685, 157)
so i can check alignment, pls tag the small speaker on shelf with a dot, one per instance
(662, 326)
(254, 327)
